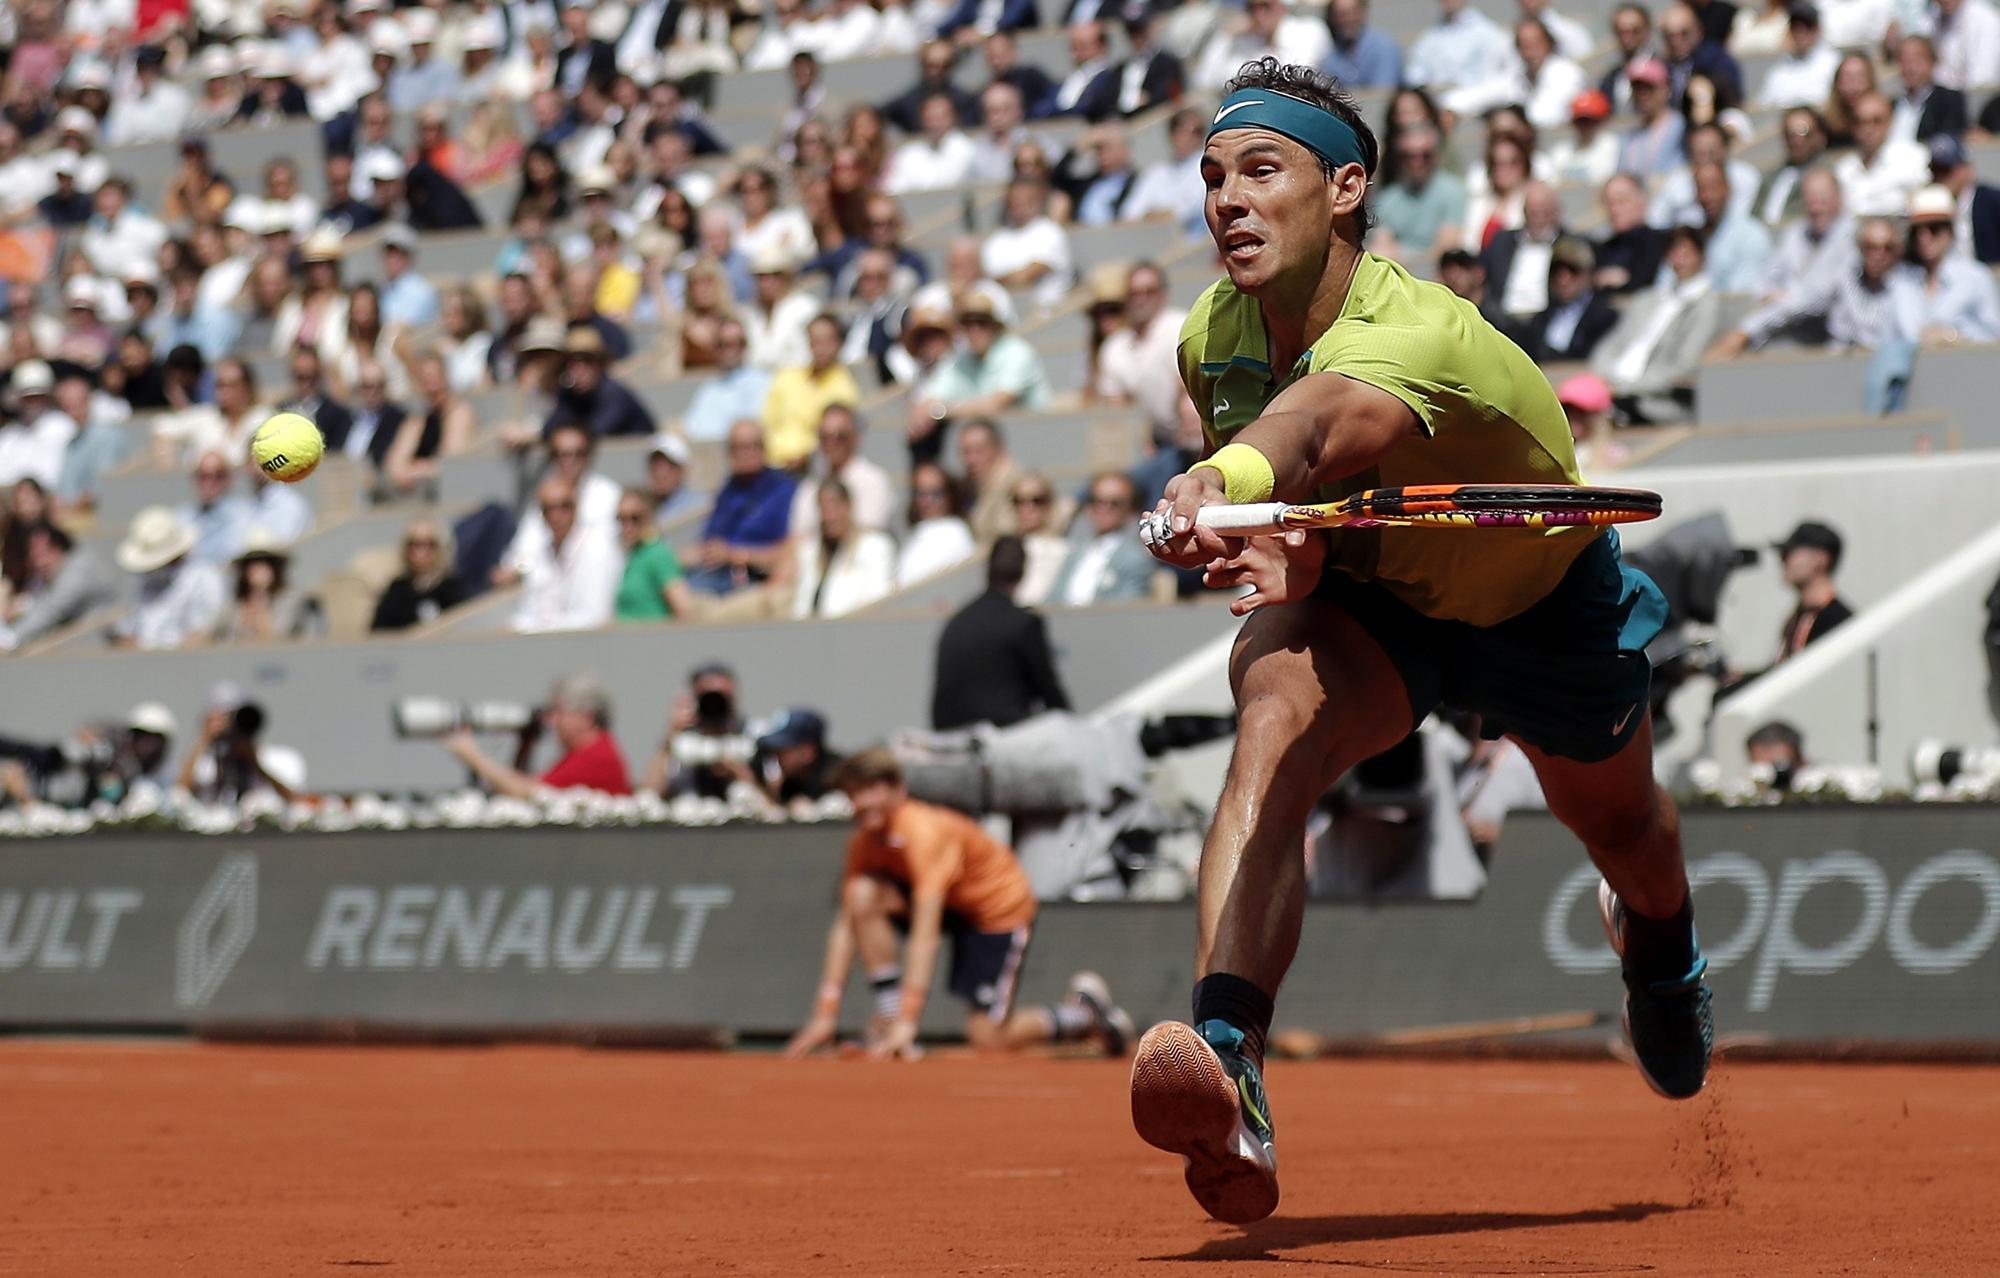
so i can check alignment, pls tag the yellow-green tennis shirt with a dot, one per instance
(1489, 417)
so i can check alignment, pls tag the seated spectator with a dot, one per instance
(766, 229)
(775, 321)
(1090, 88)
(1517, 261)
(871, 493)
(1589, 156)
(263, 608)
(1586, 402)
(1628, 259)
(1500, 205)
(100, 444)
(653, 587)
(792, 764)
(427, 587)
(408, 299)
(425, 81)
(119, 238)
(1853, 80)
(935, 63)
(363, 339)
(736, 391)
(63, 585)
(1110, 564)
(1943, 298)
(1361, 56)
(1099, 198)
(1804, 140)
(311, 399)
(1421, 213)
(569, 576)
(990, 474)
(465, 343)
(1578, 316)
(376, 422)
(590, 397)
(876, 315)
(1538, 78)
(841, 265)
(1003, 110)
(1803, 76)
(1173, 188)
(800, 396)
(938, 537)
(1878, 177)
(1632, 40)
(1651, 147)
(1650, 357)
(747, 526)
(1029, 252)
(940, 156)
(1675, 201)
(673, 495)
(1040, 524)
(994, 664)
(177, 597)
(34, 437)
(839, 566)
(1978, 216)
(579, 717)
(1138, 364)
(579, 296)
(1151, 75)
(1813, 257)
(1269, 29)
(992, 373)
(1737, 246)
(1465, 275)
(218, 517)
(1779, 747)
(446, 428)
(1693, 42)
(280, 510)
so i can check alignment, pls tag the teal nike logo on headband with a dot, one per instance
(1316, 129)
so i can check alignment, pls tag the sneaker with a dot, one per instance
(1668, 1023)
(1114, 1027)
(1196, 1093)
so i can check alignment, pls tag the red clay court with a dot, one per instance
(170, 1158)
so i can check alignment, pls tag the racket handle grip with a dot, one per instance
(1250, 519)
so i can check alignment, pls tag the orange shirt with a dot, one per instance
(929, 848)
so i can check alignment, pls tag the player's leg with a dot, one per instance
(872, 906)
(985, 973)
(1315, 693)
(1631, 830)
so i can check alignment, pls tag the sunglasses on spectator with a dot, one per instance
(1933, 228)
(836, 436)
(1031, 499)
(631, 516)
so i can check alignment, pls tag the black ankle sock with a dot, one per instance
(1660, 949)
(1223, 997)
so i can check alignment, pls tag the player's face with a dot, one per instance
(873, 805)
(1269, 208)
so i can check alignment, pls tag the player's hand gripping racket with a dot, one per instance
(1428, 506)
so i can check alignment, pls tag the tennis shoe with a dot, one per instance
(1113, 1027)
(1197, 1093)
(1669, 1023)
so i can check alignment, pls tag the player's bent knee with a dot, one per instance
(1629, 827)
(864, 896)
(985, 1034)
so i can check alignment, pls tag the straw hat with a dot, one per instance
(157, 538)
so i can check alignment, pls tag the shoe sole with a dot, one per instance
(1607, 904)
(1184, 1102)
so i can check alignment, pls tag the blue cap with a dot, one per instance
(794, 727)
(1947, 152)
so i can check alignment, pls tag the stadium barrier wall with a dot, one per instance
(1822, 924)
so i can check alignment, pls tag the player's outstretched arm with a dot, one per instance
(825, 1022)
(919, 965)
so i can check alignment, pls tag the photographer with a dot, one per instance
(579, 714)
(793, 764)
(706, 752)
(227, 763)
(101, 761)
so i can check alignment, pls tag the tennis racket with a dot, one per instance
(1429, 506)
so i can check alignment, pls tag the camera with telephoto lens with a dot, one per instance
(1943, 762)
(427, 718)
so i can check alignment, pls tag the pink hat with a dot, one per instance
(1647, 71)
(1585, 392)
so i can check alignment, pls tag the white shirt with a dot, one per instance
(1908, 114)
(335, 77)
(596, 510)
(1092, 562)
(1675, 298)
(1173, 187)
(1144, 369)
(1573, 38)
(870, 492)
(35, 450)
(1457, 50)
(931, 547)
(1968, 46)
(1077, 81)
(159, 116)
(175, 604)
(919, 166)
(1299, 39)
(1675, 205)
(116, 249)
(778, 340)
(785, 229)
(202, 429)
(1590, 165)
(571, 588)
(1011, 248)
(1528, 277)
(1800, 81)
(1882, 189)
(863, 570)
(1547, 97)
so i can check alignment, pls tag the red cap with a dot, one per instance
(1585, 392)
(1591, 104)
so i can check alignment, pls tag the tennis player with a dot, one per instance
(1318, 370)
(916, 873)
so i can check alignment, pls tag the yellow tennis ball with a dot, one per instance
(287, 447)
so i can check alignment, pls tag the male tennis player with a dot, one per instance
(924, 871)
(1319, 370)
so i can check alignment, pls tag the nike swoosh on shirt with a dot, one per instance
(1237, 107)
(1623, 719)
